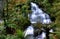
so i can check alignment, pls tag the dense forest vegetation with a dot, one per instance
(15, 16)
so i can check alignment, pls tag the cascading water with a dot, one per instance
(37, 16)
(29, 32)
(41, 36)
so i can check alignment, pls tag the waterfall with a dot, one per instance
(37, 16)
(41, 36)
(29, 31)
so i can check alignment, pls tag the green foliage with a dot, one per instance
(9, 37)
(17, 17)
(20, 34)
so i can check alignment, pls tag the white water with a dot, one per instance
(51, 30)
(38, 15)
(29, 31)
(42, 36)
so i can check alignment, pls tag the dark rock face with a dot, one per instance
(10, 30)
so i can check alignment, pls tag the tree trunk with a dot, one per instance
(47, 33)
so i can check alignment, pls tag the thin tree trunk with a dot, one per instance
(47, 33)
